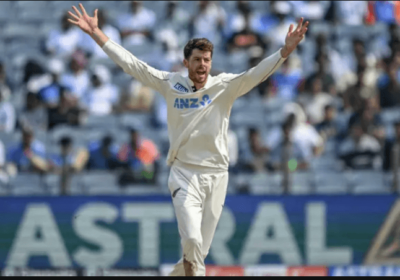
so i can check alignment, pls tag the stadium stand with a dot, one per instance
(26, 27)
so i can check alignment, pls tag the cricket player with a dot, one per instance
(199, 107)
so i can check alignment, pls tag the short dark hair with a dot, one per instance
(65, 141)
(202, 44)
(328, 107)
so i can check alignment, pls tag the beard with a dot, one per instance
(198, 76)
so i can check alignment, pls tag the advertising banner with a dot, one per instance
(141, 232)
(355, 270)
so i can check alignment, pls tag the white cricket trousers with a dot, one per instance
(198, 196)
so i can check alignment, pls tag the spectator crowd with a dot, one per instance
(333, 105)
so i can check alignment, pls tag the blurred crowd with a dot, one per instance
(334, 103)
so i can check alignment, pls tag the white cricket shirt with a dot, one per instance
(198, 121)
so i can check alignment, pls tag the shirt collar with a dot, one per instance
(191, 84)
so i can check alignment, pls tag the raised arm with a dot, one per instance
(244, 82)
(128, 62)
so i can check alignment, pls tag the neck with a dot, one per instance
(198, 85)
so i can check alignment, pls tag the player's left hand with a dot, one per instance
(294, 37)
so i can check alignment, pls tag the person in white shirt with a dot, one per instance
(351, 12)
(64, 41)
(199, 107)
(209, 21)
(315, 101)
(136, 26)
(77, 77)
(7, 115)
(102, 96)
(303, 135)
(3, 173)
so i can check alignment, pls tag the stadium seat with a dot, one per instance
(142, 190)
(326, 162)
(137, 120)
(99, 180)
(261, 184)
(330, 183)
(389, 116)
(103, 190)
(369, 181)
(10, 139)
(301, 183)
(351, 31)
(7, 12)
(274, 118)
(163, 175)
(322, 27)
(53, 185)
(26, 184)
(78, 135)
(20, 30)
(106, 121)
(4, 191)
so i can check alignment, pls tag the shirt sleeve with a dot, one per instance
(242, 83)
(147, 75)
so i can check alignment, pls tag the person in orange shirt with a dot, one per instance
(140, 156)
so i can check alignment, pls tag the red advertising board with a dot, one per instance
(212, 270)
(307, 271)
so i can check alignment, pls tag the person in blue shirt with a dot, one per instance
(29, 155)
(70, 158)
(103, 154)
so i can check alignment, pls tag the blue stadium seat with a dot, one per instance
(389, 116)
(326, 162)
(31, 5)
(11, 139)
(330, 183)
(104, 190)
(322, 27)
(78, 135)
(352, 31)
(99, 182)
(20, 30)
(141, 190)
(4, 191)
(261, 184)
(301, 183)
(238, 62)
(53, 185)
(27, 184)
(7, 11)
(137, 120)
(369, 181)
(105, 122)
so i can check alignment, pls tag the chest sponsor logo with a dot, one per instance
(192, 103)
(179, 87)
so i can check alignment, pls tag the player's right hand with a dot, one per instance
(84, 21)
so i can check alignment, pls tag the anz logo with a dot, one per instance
(192, 103)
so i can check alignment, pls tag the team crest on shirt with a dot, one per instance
(179, 87)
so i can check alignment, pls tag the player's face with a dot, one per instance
(199, 65)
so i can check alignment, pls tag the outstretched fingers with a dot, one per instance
(95, 13)
(77, 11)
(72, 15)
(300, 25)
(291, 28)
(73, 22)
(304, 29)
(82, 8)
